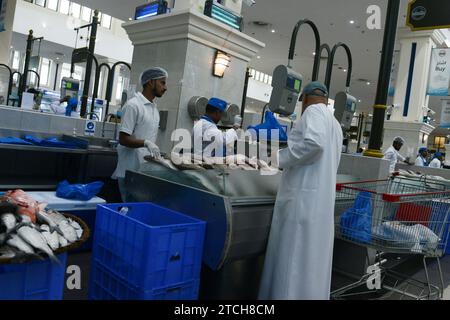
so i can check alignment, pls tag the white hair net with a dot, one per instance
(153, 74)
(399, 140)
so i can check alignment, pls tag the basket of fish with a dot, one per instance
(30, 231)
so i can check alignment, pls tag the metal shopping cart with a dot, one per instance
(399, 215)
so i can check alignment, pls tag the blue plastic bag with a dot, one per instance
(51, 142)
(269, 124)
(82, 192)
(15, 141)
(356, 222)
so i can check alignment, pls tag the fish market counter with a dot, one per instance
(236, 204)
(41, 167)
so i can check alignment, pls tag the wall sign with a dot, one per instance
(439, 81)
(428, 14)
(89, 129)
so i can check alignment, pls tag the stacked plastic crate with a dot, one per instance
(145, 252)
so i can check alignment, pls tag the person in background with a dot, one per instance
(139, 126)
(421, 160)
(393, 156)
(66, 106)
(299, 256)
(438, 161)
(207, 136)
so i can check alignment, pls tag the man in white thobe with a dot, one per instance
(299, 256)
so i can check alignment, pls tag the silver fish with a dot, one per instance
(18, 243)
(3, 237)
(68, 231)
(77, 228)
(9, 221)
(37, 241)
(51, 237)
(62, 241)
(7, 253)
(44, 217)
(55, 216)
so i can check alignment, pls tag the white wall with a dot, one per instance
(56, 27)
(259, 90)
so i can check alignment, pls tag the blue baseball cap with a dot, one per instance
(423, 149)
(219, 104)
(310, 90)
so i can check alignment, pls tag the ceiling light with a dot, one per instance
(258, 57)
(345, 70)
(359, 100)
(368, 83)
(352, 21)
(273, 30)
(314, 53)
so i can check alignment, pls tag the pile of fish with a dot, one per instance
(30, 230)
(234, 162)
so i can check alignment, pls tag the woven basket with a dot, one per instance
(71, 247)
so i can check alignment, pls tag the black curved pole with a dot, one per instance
(315, 74)
(111, 82)
(95, 92)
(111, 78)
(331, 62)
(327, 48)
(97, 82)
(10, 82)
(38, 77)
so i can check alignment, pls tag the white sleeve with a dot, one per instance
(389, 155)
(230, 136)
(129, 119)
(306, 150)
(418, 162)
(400, 157)
(215, 135)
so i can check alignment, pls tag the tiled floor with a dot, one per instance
(412, 268)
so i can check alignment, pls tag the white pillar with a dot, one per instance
(411, 87)
(6, 36)
(185, 44)
(414, 68)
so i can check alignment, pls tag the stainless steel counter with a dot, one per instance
(237, 205)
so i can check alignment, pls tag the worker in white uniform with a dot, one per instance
(421, 160)
(139, 126)
(299, 256)
(437, 162)
(209, 141)
(393, 156)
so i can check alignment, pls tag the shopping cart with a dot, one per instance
(399, 216)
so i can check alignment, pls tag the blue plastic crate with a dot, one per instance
(150, 247)
(38, 280)
(104, 285)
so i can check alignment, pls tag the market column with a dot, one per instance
(7, 12)
(410, 99)
(185, 43)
